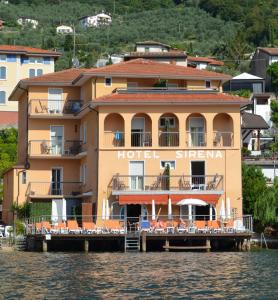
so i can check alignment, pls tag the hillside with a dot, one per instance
(211, 27)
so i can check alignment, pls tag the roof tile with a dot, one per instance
(27, 50)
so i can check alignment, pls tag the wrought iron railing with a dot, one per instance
(167, 183)
(63, 188)
(168, 139)
(223, 139)
(196, 139)
(114, 139)
(141, 139)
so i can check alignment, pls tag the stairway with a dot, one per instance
(132, 242)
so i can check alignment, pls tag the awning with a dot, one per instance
(163, 199)
(192, 201)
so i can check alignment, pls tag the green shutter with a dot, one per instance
(41, 208)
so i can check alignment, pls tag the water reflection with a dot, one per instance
(230, 275)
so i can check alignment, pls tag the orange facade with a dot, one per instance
(127, 137)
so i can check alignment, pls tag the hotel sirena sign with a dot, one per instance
(179, 154)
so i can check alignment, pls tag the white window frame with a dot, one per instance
(5, 97)
(35, 60)
(168, 162)
(108, 85)
(6, 73)
(165, 118)
(3, 57)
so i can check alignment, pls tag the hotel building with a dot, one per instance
(129, 139)
(16, 63)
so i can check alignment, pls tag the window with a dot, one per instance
(3, 57)
(84, 133)
(39, 72)
(2, 97)
(24, 177)
(35, 60)
(172, 85)
(108, 81)
(32, 73)
(208, 84)
(170, 163)
(81, 133)
(83, 173)
(3, 72)
(132, 85)
(147, 49)
(167, 121)
(262, 101)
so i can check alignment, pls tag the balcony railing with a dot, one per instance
(51, 189)
(141, 139)
(114, 139)
(54, 148)
(223, 139)
(54, 107)
(181, 183)
(196, 139)
(169, 139)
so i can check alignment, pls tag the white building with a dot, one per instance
(27, 21)
(63, 29)
(95, 21)
(202, 63)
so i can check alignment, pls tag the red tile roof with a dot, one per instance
(271, 51)
(27, 50)
(171, 98)
(8, 118)
(148, 68)
(210, 61)
(65, 76)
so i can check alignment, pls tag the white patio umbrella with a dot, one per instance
(192, 201)
(169, 208)
(64, 210)
(228, 208)
(107, 209)
(103, 209)
(222, 210)
(153, 210)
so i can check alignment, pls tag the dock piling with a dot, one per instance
(208, 245)
(44, 245)
(86, 246)
(144, 242)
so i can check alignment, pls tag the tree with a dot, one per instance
(68, 44)
(253, 187)
(274, 112)
(272, 71)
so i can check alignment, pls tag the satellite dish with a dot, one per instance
(75, 62)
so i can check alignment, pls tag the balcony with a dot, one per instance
(55, 148)
(168, 139)
(141, 139)
(47, 107)
(223, 139)
(196, 139)
(177, 184)
(114, 139)
(54, 189)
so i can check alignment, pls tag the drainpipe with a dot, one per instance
(97, 155)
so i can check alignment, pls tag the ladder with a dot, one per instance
(132, 242)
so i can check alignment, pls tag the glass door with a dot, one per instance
(136, 172)
(137, 131)
(197, 132)
(55, 97)
(57, 182)
(57, 139)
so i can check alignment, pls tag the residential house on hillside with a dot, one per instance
(261, 60)
(63, 29)
(16, 63)
(23, 21)
(99, 140)
(203, 62)
(157, 51)
(95, 21)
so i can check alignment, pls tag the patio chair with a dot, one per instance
(239, 227)
(45, 148)
(145, 226)
(113, 226)
(73, 227)
(60, 227)
(159, 226)
(202, 226)
(214, 226)
(46, 227)
(38, 227)
(182, 227)
(229, 227)
(90, 228)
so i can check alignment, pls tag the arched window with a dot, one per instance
(3, 72)
(118, 212)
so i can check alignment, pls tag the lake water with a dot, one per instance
(215, 275)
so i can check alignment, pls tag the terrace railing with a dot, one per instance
(139, 183)
(141, 139)
(54, 107)
(196, 139)
(114, 139)
(168, 139)
(223, 139)
(54, 147)
(51, 189)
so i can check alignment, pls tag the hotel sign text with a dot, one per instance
(193, 154)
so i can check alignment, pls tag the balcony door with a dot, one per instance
(198, 175)
(56, 139)
(57, 181)
(137, 131)
(55, 98)
(136, 173)
(197, 131)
